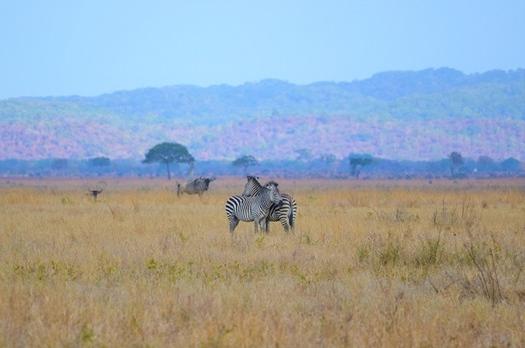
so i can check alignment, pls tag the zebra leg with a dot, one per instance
(283, 218)
(293, 215)
(284, 222)
(256, 226)
(292, 225)
(233, 223)
(264, 225)
(291, 220)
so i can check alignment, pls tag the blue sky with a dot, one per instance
(92, 47)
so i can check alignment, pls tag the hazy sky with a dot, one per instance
(92, 47)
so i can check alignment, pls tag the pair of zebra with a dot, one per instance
(261, 204)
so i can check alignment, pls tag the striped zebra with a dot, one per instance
(253, 208)
(286, 212)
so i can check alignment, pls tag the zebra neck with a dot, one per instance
(266, 201)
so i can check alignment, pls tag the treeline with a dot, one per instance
(356, 166)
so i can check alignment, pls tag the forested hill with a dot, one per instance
(416, 115)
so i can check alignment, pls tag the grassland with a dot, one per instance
(370, 264)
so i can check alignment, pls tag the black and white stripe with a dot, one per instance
(252, 208)
(286, 212)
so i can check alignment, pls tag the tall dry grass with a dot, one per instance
(370, 264)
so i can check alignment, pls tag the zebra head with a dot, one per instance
(275, 195)
(252, 186)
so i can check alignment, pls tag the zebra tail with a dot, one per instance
(293, 214)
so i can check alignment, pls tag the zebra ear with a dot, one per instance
(271, 183)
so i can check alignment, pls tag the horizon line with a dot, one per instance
(253, 82)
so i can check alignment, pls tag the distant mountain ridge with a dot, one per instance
(405, 101)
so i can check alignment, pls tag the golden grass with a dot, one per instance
(370, 264)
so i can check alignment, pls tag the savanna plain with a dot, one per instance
(370, 263)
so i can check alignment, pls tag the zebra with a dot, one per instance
(253, 208)
(196, 186)
(286, 212)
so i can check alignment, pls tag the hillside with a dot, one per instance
(412, 115)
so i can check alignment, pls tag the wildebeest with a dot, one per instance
(195, 186)
(95, 190)
(95, 193)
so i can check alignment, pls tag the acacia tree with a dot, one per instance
(357, 162)
(245, 162)
(168, 153)
(456, 161)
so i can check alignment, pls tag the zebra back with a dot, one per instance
(248, 208)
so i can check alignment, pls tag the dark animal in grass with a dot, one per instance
(95, 193)
(196, 186)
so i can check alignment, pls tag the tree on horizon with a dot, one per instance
(456, 161)
(357, 162)
(245, 162)
(168, 153)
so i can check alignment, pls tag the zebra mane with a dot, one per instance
(253, 180)
(252, 186)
